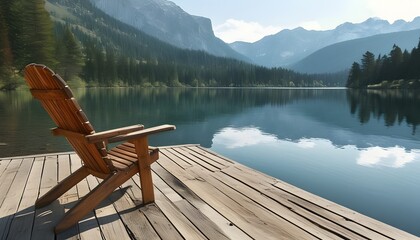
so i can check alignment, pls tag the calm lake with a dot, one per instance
(360, 149)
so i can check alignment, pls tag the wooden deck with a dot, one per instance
(199, 195)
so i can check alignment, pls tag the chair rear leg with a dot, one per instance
(93, 198)
(62, 187)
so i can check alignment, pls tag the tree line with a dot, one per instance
(385, 70)
(79, 41)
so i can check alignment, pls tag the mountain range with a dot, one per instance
(305, 51)
(340, 56)
(297, 48)
(291, 46)
(168, 22)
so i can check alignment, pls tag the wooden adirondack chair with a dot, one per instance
(114, 166)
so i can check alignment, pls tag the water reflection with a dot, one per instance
(306, 143)
(395, 106)
(395, 157)
(239, 138)
(200, 113)
(244, 138)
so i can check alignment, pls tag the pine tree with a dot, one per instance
(69, 54)
(5, 46)
(368, 69)
(414, 64)
(110, 70)
(396, 57)
(355, 75)
(31, 33)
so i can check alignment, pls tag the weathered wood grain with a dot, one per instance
(11, 202)
(21, 227)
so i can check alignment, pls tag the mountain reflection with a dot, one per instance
(395, 106)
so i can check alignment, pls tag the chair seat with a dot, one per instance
(124, 155)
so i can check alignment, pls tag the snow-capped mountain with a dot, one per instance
(290, 46)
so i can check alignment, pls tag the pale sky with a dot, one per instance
(250, 20)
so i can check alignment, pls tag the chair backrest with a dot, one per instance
(57, 99)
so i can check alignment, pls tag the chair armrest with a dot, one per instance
(105, 135)
(141, 133)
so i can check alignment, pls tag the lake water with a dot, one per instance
(360, 149)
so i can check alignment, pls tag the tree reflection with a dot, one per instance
(394, 106)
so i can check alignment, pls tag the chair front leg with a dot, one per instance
(145, 171)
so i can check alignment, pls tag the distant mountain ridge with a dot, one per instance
(168, 22)
(340, 56)
(290, 46)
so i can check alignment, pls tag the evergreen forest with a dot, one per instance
(398, 69)
(89, 48)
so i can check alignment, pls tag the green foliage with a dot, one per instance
(398, 69)
(30, 33)
(26, 36)
(12, 81)
(5, 48)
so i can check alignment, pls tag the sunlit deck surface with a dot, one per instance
(199, 195)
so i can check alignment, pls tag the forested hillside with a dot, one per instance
(398, 69)
(25, 36)
(86, 46)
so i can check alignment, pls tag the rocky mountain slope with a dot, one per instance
(168, 22)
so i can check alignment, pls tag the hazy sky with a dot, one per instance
(250, 20)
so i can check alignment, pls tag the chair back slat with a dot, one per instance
(57, 99)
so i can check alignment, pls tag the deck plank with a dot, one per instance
(3, 165)
(161, 223)
(21, 226)
(307, 209)
(211, 166)
(108, 218)
(199, 194)
(11, 202)
(208, 156)
(347, 214)
(181, 191)
(46, 217)
(69, 198)
(132, 217)
(7, 177)
(164, 202)
(88, 226)
(238, 211)
(282, 207)
(205, 224)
